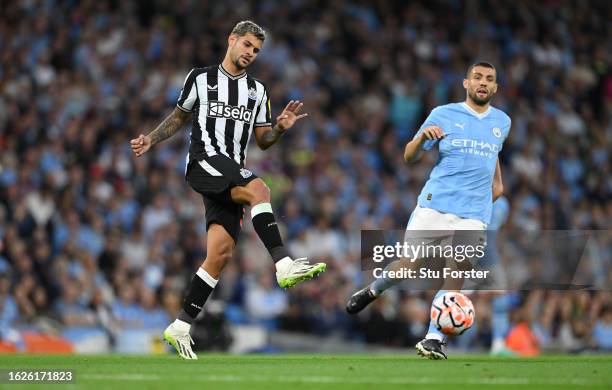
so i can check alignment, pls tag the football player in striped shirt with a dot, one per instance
(226, 106)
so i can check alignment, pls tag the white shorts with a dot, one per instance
(431, 226)
(428, 226)
(424, 218)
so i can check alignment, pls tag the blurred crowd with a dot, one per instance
(91, 236)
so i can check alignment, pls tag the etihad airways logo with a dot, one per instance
(221, 110)
(479, 148)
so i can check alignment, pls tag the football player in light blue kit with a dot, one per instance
(464, 182)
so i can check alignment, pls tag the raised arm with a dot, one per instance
(412, 151)
(170, 126)
(266, 136)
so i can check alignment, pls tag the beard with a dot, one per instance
(238, 65)
(480, 101)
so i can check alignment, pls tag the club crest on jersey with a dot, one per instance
(497, 132)
(245, 173)
(252, 93)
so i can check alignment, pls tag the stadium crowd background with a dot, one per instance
(93, 238)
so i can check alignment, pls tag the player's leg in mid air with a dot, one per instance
(219, 248)
(420, 219)
(362, 298)
(289, 271)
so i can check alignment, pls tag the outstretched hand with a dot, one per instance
(289, 116)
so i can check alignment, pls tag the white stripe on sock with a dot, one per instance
(374, 292)
(260, 209)
(209, 168)
(212, 282)
(283, 263)
(434, 336)
(182, 325)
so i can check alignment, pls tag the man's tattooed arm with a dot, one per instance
(267, 136)
(170, 126)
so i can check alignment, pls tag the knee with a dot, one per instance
(225, 253)
(222, 254)
(260, 192)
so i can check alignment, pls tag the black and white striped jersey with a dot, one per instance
(225, 110)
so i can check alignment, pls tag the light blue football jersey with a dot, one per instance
(461, 182)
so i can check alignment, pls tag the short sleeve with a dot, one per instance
(264, 112)
(189, 93)
(433, 119)
(505, 131)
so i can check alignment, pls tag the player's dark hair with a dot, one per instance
(484, 64)
(246, 26)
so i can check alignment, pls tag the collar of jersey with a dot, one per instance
(476, 114)
(225, 72)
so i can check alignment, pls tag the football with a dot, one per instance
(453, 313)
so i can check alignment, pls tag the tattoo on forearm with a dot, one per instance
(272, 136)
(170, 126)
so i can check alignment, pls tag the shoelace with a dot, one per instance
(186, 339)
(301, 265)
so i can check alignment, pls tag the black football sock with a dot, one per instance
(267, 230)
(202, 284)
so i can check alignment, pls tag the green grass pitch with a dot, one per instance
(295, 372)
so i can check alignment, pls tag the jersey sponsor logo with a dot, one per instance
(479, 148)
(497, 132)
(218, 109)
(252, 93)
(245, 173)
(212, 87)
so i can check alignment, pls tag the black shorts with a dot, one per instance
(213, 178)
